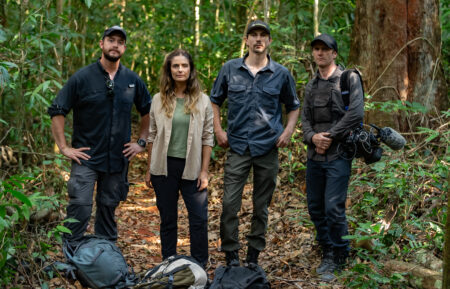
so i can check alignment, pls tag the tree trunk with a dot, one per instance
(197, 26)
(396, 44)
(446, 272)
(316, 18)
(60, 44)
(249, 19)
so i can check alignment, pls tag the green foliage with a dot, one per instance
(25, 241)
(397, 205)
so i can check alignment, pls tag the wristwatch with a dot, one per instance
(141, 142)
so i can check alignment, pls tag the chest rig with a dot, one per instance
(325, 104)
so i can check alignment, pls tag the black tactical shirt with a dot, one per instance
(322, 96)
(102, 116)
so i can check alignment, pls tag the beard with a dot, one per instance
(111, 58)
(258, 50)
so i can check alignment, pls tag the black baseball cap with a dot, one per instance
(327, 39)
(258, 24)
(113, 29)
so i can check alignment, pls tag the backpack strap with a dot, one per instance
(345, 85)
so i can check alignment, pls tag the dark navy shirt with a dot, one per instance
(102, 121)
(254, 104)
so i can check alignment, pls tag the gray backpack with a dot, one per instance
(175, 272)
(99, 264)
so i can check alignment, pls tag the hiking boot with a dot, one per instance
(252, 257)
(338, 263)
(327, 260)
(232, 258)
(340, 258)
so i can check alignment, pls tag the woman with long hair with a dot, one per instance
(179, 149)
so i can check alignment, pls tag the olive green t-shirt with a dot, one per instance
(180, 128)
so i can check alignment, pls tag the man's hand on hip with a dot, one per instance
(132, 149)
(76, 154)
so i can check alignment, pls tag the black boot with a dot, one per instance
(327, 260)
(252, 257)
(232, 258)
(340, 258)
(338, 263)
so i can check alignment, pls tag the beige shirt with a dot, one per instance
(200, 134)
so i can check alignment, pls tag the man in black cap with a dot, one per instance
(256, 87)
(326, 121)
(101, 96)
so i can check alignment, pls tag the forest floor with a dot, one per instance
(290, 257)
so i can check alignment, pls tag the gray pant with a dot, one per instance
(111, 189)
(237, 169)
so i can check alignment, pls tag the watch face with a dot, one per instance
(141, 142)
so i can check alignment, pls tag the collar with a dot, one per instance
(336, 74)
(103, 69)
(270, 65)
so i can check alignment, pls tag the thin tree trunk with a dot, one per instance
(316, 17)
(83, 38)
(217, 14)
(249, 19)
(122, 12)
(266, 11)
(59, 45)
(197, 26)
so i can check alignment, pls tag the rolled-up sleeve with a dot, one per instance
(220, 87)
(355, 113)
(152, 127)
(65, 99)
(208, 135)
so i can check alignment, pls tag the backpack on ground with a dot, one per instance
(175, 272)
(236, 277)
(99, 263)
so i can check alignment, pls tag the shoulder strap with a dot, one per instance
(345, 85)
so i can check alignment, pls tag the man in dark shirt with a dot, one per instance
(325, 122)
(101, 96)
(256, 87)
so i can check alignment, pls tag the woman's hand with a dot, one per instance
(148, 182)
(202, 182)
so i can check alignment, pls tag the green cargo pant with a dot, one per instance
(237, 168)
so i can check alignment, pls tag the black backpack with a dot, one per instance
(236, 277)
(99, 263)
(345, 85)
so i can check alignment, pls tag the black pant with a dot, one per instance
(326, 187)
(167, 193)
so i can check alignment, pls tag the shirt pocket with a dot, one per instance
(236, 92)
(322, 108)
(126, 99)
(270, 99)
(271, 91)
